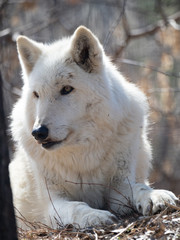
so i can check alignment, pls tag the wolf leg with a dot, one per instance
(149, 201)
(63, 212)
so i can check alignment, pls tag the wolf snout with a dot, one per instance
(40, 133)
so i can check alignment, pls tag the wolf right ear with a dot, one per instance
(86, 49)
(29, 52)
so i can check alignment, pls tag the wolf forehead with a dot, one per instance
(56, 74)
(53, 66)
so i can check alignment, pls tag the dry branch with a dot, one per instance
(115, 24)
(145, 31)
(140, 64)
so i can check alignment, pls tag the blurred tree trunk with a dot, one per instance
(7, 218)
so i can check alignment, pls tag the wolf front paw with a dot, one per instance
(97, 218)
(153, 201)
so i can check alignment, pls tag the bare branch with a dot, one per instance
(5, 32)
(115, 24)
(140, 64)
(174, 24)
(153, 28)
(161, 11)
(127, 37)
(148, 30)
(53, 203)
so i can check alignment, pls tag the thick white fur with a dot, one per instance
(104, 160)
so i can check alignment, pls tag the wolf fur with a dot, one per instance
(95, 161)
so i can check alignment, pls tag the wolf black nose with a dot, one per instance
(40, 133)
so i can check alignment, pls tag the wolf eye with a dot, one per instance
(36, 95)
(66, 90)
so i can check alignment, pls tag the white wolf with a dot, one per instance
(81, 137)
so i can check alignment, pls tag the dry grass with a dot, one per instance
(165, 225)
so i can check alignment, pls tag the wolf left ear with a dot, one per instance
(86, 50)
(29, 52)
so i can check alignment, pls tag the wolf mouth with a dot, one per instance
(48, 145)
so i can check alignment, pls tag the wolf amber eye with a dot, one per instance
(36, 95)
(66, 90)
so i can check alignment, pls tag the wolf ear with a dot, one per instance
(86, 50)
(29, 52)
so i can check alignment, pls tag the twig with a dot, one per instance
(176, 234)
(127, 37)
(159, 215)
(114, 25)
(153, 28)
(172, 206)
(120, 203)
(148, 30)
(140, 64)
(95, 233)
(53, 203)
(174, 24)
(98, 184)
(5, 32)
(164, 90)
(161, 11)
(23, 219)
(122, 231)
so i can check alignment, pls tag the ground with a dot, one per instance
(164, 225)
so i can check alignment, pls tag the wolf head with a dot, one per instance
(66, 93)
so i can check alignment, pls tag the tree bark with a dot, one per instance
(7, 217)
